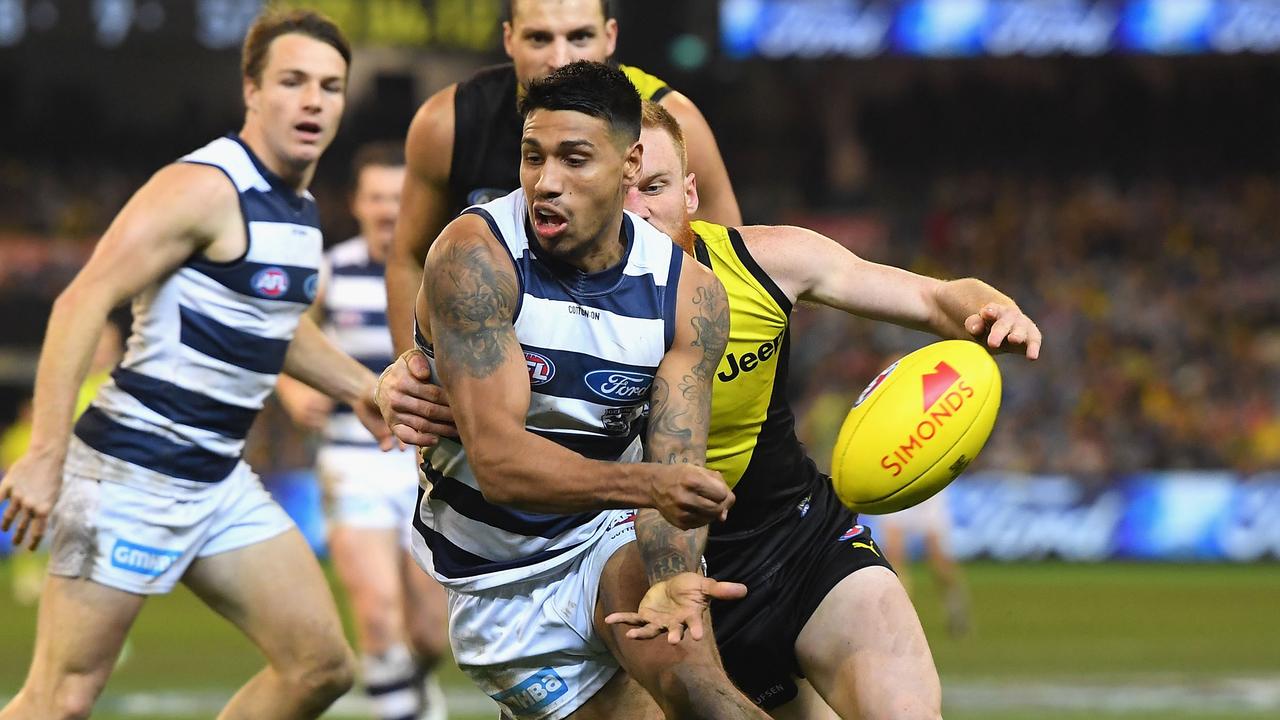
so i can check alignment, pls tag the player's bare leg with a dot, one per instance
(276, 594)
(427, 623)
(947, 576)
(807, 705)
(688, 679)
(369, 566)
(893, 541)
(80, 629)
(866, 654)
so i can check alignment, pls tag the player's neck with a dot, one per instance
(298, 178)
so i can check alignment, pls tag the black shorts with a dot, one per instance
(788, 569)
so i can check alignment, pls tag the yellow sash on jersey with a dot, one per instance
(758, 316)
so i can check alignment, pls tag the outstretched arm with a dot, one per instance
(314, 359)
(679, 422)
(178, 213)
(469, 294)
(810, 266)
(424, 207)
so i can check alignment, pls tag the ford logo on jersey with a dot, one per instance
(270, 282)
(541, 369)
(618, 384)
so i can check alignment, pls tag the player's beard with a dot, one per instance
(688, 238)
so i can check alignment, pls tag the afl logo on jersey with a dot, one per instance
(270, 282)
(541, 369)
(311, 286)
(618, 384)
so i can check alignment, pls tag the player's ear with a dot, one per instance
(691, 193)
(631, 163)
(250, 91)
(508, 35)
(610, 36)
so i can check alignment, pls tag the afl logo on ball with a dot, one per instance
(270, 282)
(541, 369)
(875, 384)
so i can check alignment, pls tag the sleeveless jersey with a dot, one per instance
(752, 442)
(355, 318)
(208, 341)
(487, 129)
(592, 343)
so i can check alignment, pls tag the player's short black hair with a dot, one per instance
(509, 8)
(591, 88)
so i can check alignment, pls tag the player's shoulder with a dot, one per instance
(649, 86)
(191, 188)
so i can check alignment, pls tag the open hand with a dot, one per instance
(674, 604)
(1005, 328)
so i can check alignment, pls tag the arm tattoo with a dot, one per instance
(711, 328)
(472, 305)
(667, 551)
(678, 429)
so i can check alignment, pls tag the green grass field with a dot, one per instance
(1052, 642)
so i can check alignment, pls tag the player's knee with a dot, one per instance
(73, 701)
(428, 645)
(326, 676)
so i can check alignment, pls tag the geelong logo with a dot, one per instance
(618, 384)
(541, 369)
(312, 285)
(270, 282)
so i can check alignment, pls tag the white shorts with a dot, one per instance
(367, 488)
(142, 540)
(931, 517)
(531, 645)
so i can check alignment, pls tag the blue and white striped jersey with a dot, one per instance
(593, 343)
(355, 317)
(208, 341)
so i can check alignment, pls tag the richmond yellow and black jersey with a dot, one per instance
(752, 442)
(486, 133)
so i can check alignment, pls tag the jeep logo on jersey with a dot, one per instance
(618, 384)
(270, 282)
(311, 286)
(541, 369)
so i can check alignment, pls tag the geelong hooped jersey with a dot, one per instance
(208, 340)
(592, 343)
(355, 317)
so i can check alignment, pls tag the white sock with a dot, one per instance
(433, 707)
(391, 680)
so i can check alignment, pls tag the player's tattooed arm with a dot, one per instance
(472, 301)
(679, 422)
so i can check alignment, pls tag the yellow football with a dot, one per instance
(916, 427)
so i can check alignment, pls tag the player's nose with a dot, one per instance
(560, 54)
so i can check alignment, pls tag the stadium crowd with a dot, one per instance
(1157, 297)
